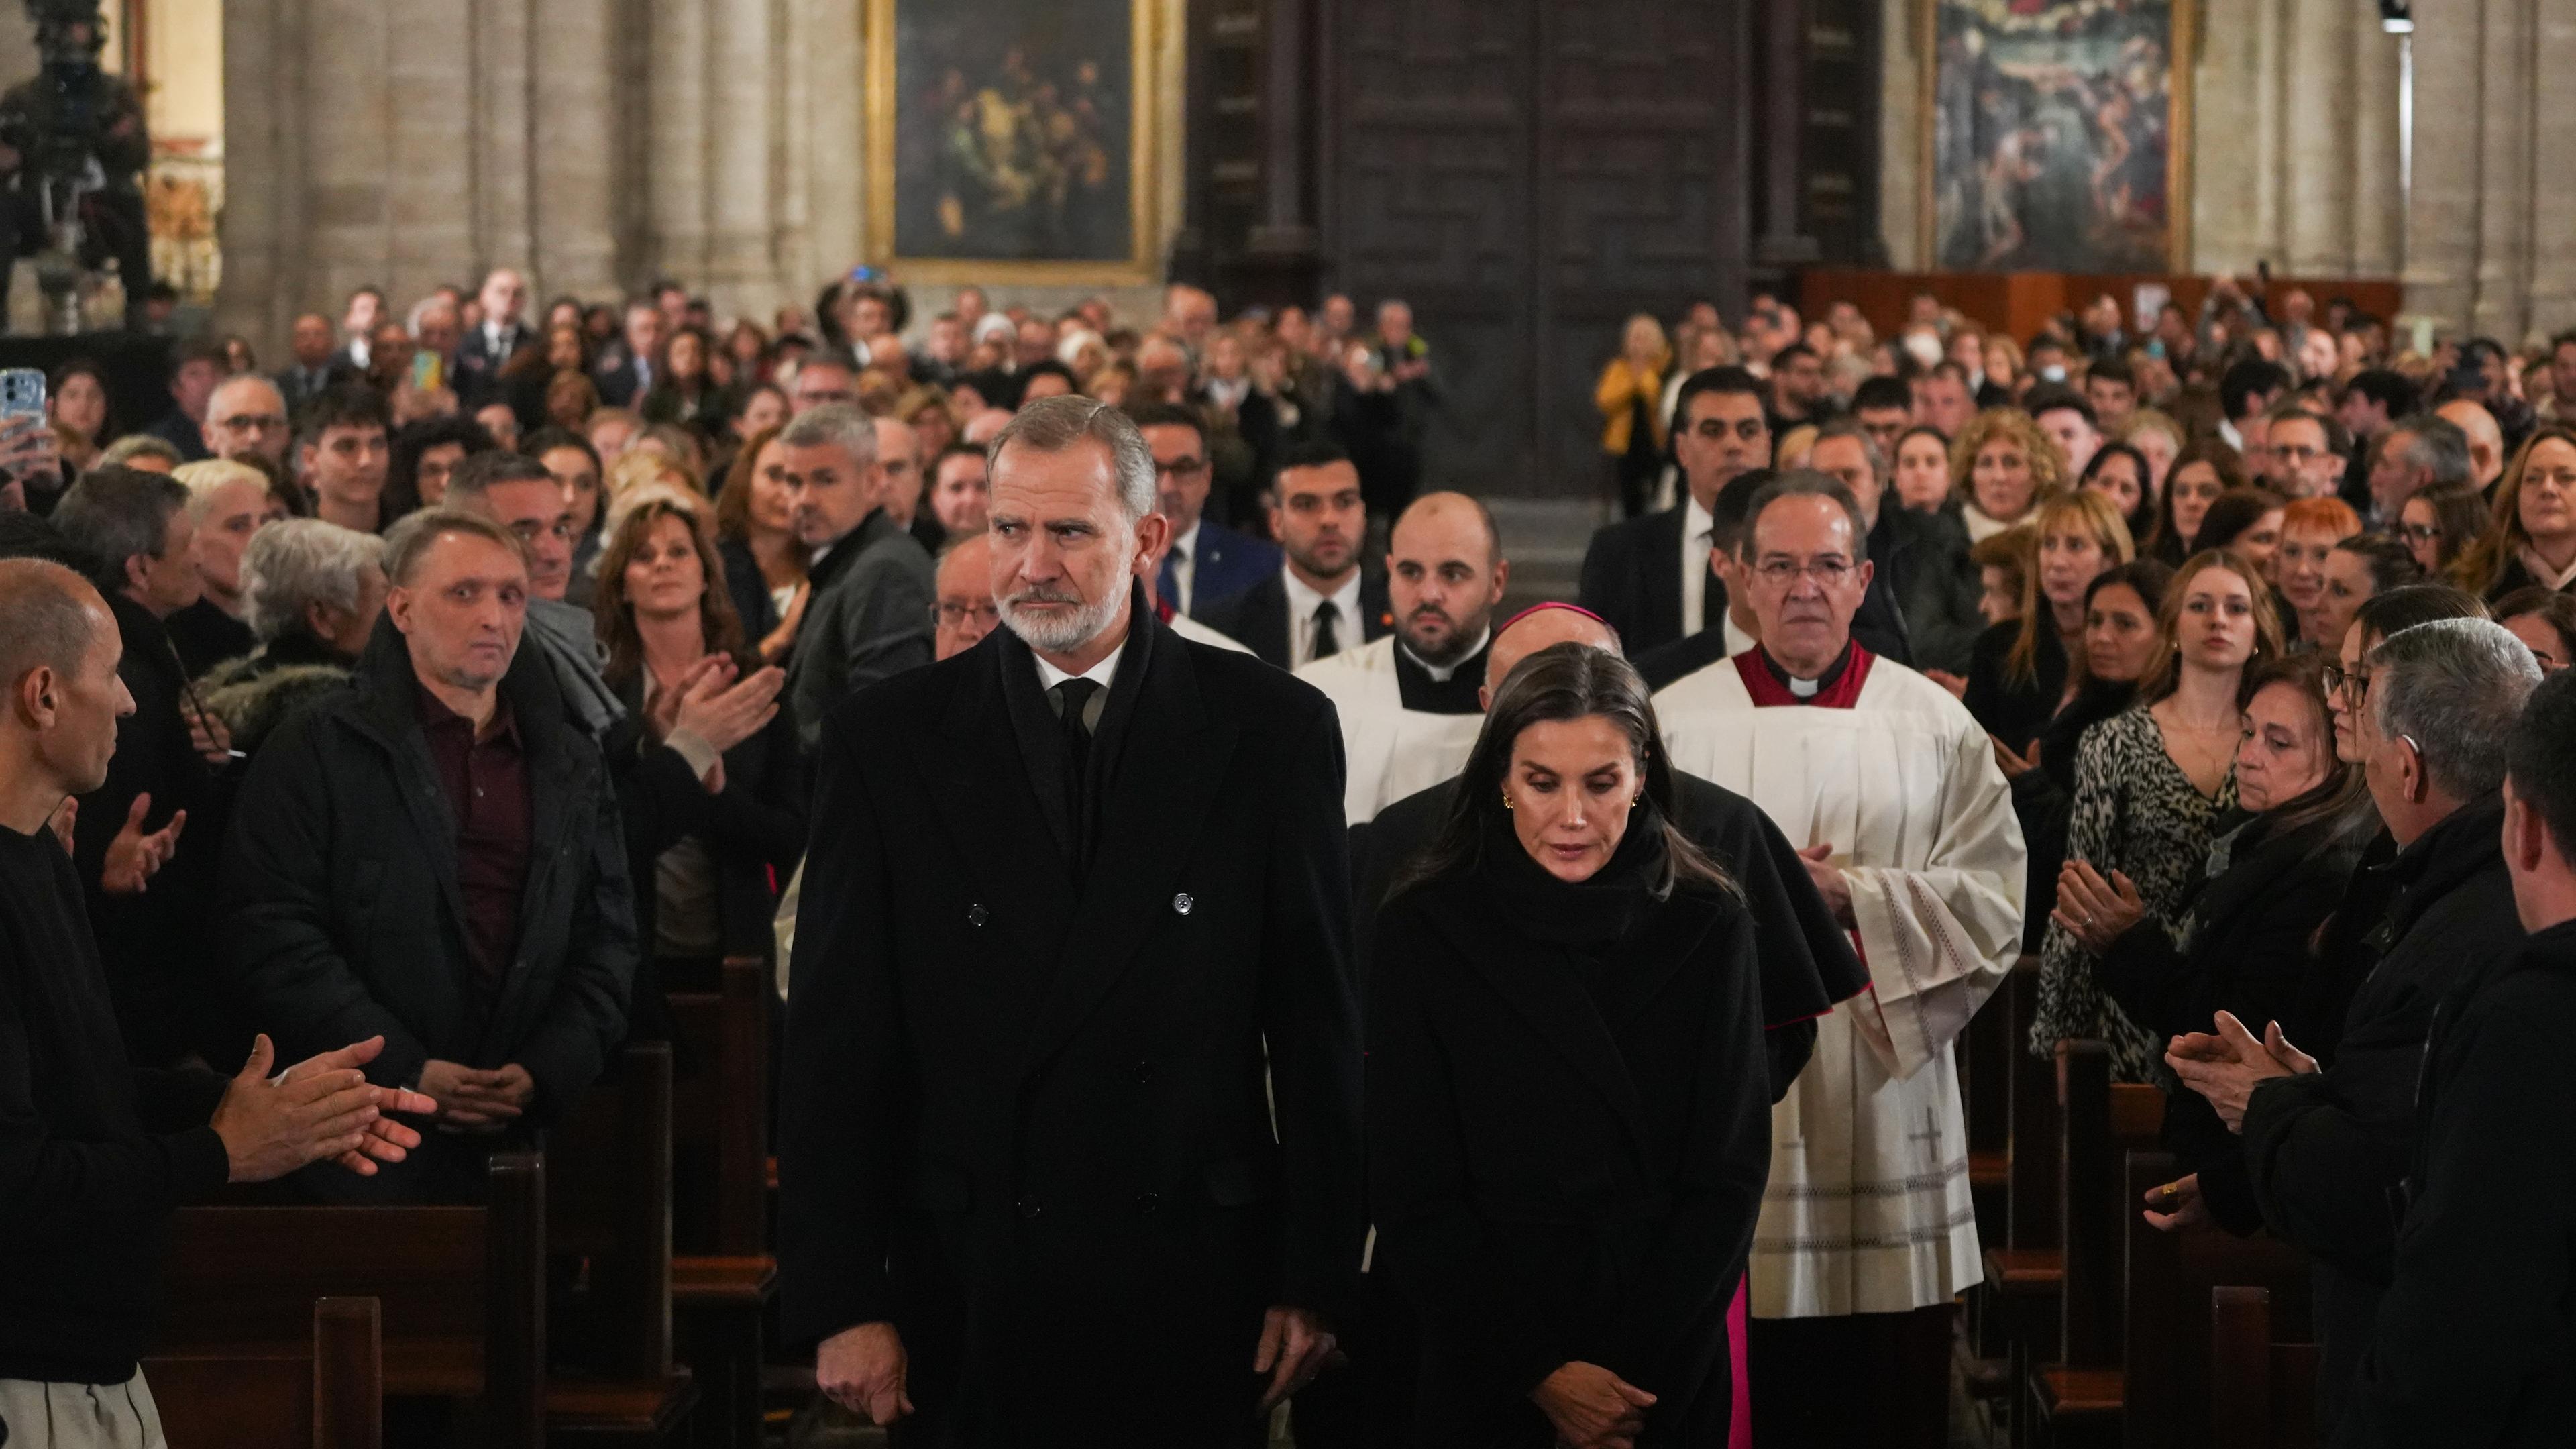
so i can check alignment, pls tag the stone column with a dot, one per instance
(498, 101)
(2234, 87)
(2317, 153)
(2378, 206)
(2553, 220)
(827, 136)
(2506, 116)
(427, 181)
(573, 212)
(742, 260)
(676, 179)
(264, 279)
(2442, 214)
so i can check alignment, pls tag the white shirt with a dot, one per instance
(1302, 604)
(498, 338)
(1697, 524)
(2227, 432)
(1102, 674)
(1185, 568)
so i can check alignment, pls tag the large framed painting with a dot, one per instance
(1012, 140)
(2059, 134)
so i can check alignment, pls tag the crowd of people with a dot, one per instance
(1225, 966)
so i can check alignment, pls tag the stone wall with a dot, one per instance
(594, 143)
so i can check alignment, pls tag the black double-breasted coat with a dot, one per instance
(1028, 1111)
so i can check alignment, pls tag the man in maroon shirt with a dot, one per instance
(436, 855)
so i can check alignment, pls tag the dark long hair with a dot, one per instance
(1562, 682)
(720, 626)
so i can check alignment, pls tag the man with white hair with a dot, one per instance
(868, 616)
(1071, 1080)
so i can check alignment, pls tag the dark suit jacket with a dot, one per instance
(477, 375)
(1632, 578)
(1228, 563)
(613, 373)
(1257, 618)
(1024, 1110)
(175, 429)
(343, 917)
(299, 387)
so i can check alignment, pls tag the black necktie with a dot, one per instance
(1327, 638)
(1073, 728)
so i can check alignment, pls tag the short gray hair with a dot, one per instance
(295, 563)
(2435, 444)
(1845, 425)
(1053, 424)
(2454, 687)
(141, 445)
(1807, 483)
(833, 425)
(409, 541)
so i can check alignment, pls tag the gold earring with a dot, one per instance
(1507, 799)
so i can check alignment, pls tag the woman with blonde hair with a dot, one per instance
(2532, 540)
(1632, 434)
(2158, 439)
(2027, 668)
(2001, 468)
(2148, 784)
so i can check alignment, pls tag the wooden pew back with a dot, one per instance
(2171, 1280)
(460, 1290)
(2262, 1394)
(720, 1115)
(328, 1395)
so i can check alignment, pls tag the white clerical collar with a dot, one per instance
(1303, 601)
(1102, 673)
(1442, 674)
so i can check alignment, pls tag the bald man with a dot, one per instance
(1807, 966)
(2486, 440)
(1409, 701)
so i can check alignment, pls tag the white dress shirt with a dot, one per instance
(1185, 568)
(498, 339)
(1102, 674)
(1697, 524)
(1302, 604)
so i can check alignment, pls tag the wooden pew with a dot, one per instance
(722, 1274)
(2023, 1274)
(2262, 1394)
(1994, 1064)
(328, 1394)
(609, 1203)
(2074, 1399)
(2171, 1279)
(460, 1290)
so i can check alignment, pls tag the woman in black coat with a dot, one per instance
(1568, 1113)
(706, 861)
(2273, 877)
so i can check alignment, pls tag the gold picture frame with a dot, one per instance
(2182, 54)
(1142, 263)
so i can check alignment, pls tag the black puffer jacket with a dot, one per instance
(344, 918)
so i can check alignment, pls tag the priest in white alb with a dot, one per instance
(1892, 791)
(1408, 701)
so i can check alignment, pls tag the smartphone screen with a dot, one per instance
(22, 393)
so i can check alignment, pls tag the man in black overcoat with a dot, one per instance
(1069, 1150)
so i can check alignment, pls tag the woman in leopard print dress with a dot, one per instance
(2148, 783)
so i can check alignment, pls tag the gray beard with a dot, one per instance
(1062, 634)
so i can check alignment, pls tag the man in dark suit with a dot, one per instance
(358, 323)
(314, 367)
(1208, 562)
(483, 351)
(623, 371)
(1077, 937)
(1319, 601)
(1651, 576)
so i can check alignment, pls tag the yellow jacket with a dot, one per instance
(1621, 385)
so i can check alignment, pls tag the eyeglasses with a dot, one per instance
(2419, 532)
(949, 614)
(2338, 680)
(1181, 467)
(1780, 573)
(244, 422)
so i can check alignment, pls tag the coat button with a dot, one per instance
(1144, 1073)
(976, 915)
(1182, 903)
(1147, 1202)
(1030, 1207)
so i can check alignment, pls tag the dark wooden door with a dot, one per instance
(1527, 173)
